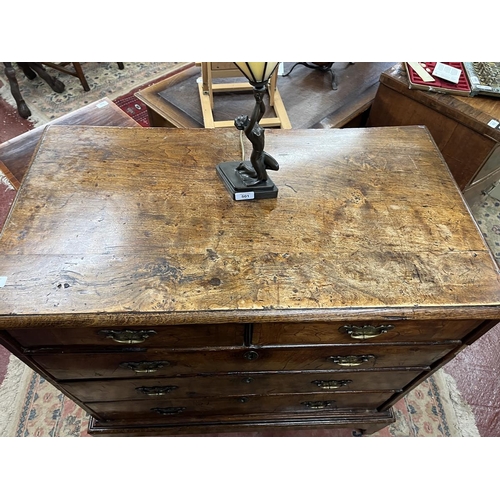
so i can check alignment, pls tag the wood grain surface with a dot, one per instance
(473, 112)
(241, 384)
(17, 152)
(112, 364)
(132, 226)
(461, 126)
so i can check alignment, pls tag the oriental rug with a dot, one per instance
(134, 107)
(31, 407)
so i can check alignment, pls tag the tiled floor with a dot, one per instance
(476, 369)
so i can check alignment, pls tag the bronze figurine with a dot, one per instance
(260, 161)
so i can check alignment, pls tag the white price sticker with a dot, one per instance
(3, 280)
(244, 196)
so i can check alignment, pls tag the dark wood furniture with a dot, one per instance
(34, 69)
(141, 290)
(16, 153)
(307, 96)
(459, 125)
(31, 70)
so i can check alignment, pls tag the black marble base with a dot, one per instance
(237, 188)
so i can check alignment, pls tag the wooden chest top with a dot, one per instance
(133, 226)
(474, 112)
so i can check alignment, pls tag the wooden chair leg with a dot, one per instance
(30, 74)
(55, 84)
(22, 107)
(81, 76)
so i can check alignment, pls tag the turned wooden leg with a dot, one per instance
(55, 84)
(22, 107)
(30, 74)
(81, 76)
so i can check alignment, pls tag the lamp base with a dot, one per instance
(237, 188)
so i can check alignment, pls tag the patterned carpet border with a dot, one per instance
(434, 409)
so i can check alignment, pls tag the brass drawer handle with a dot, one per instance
(366, 331)
(331, 384)
(172, 410)
(318, 405)
(144, 366)
(156, 391)
(351, 360)
(127, 336)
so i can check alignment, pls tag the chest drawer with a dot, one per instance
(178, 410)
(167, 363)
(359, 331)
(174, 336)
(243, 384)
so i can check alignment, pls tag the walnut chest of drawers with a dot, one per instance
(135, 285)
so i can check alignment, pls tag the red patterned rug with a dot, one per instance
(134, 108)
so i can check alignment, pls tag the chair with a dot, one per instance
(31, 70)
(77, 71)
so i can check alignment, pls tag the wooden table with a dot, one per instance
(16, 153)
(460, 125)
(307, 95)
(136, 286)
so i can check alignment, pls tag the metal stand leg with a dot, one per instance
(324, 67)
